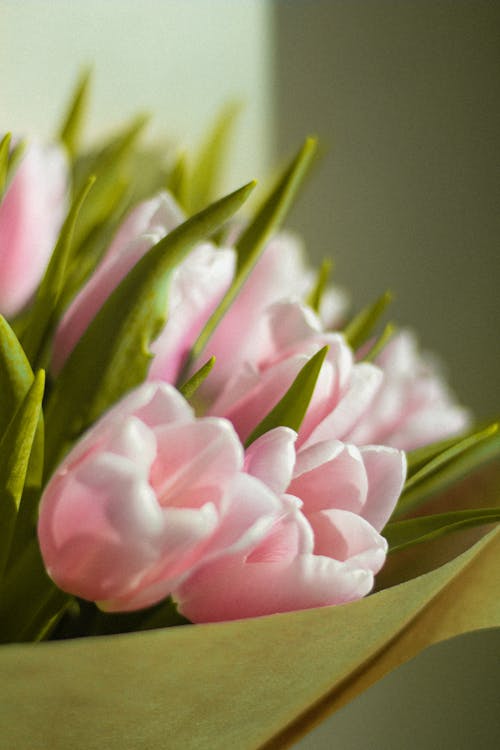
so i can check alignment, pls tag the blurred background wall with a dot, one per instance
(180, 61)
(405, 97)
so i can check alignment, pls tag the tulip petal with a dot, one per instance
(271, 458)
(272, 385)
(101, 537)
(289, 536)
(365, 381)
(31, 215)
(436, 422)
(132, 439)
(197, 287)
(386, 471)
(146, 225)
(152, 403)
(89, 300)
(413, 407)
(249, 510)
(194, 461)
(184, 531)
(229, 590)
(330, 474)
(278, 274)
(347, 537)
(158, 213)
(291, 322)
(157, 404)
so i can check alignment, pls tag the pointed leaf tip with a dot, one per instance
(403, 534)
(315, 297)
(204, 177)
(191, 386)
(4, 161)
(70, 132)
(361, 326)
(291, 408)
(252, 241)
(41, 320)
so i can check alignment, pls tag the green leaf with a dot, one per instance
(89, 620)
(29, 600)
(323, 276)
(72, 126)
(16, 154)
(291, 409)
(252, 241)
(27, 515)
(449, 466)
(16, 375)
(178, 179)
(194, 382)
(210, 162)
(380, 343)
(419, 457)
(112, 166)
(287, 671)
(275, 208)
(164, 615)
(16, 378)
(148, 170)
(453, 451)
(113, 354)
(42, 319)
(362, 325)
(4, 161)
(15, 450)
(403, 534)
(88, 255)
(9, 159)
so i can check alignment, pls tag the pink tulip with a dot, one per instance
(144, 497)
(197, 287)
(31, 215)
(343, 392)
(413, 407)
(243, 337)
(325, 550)
(200, 281)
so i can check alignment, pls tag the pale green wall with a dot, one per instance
(181, 60)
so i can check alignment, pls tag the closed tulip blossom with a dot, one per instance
(413, 406)
(324, 550)
(31, 215)
(198, 285)
(242, 336)
(146, 495)
(199, 282)
(343, 392)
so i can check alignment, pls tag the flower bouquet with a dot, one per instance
(235, 485)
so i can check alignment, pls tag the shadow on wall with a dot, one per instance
(406, 99)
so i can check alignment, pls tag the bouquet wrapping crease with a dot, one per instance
(196, 429)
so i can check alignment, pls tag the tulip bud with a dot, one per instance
(31, 215)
